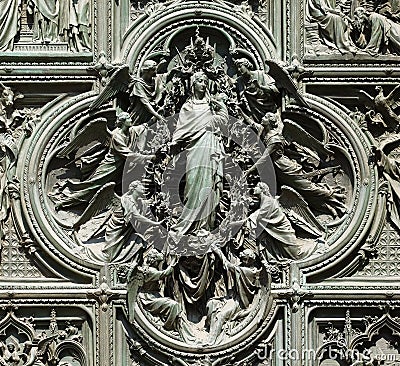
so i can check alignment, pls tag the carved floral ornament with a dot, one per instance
(210, 176)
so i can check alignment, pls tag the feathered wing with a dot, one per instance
(393, 99)
(294, 132)
(103, 199)
(283, 80)
(8, 142)
(118, 83)
(390, 143)
(299, 213)
(135, 281)
(81, 136)
(44, 344)
(366, 99)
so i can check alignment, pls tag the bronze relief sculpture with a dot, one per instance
(203, 183)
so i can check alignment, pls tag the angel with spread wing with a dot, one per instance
(292, 174)
(72, 193)
(277, 238)
(136, 95)
(127, 226)
(383, 108)
(139, 96)
(258, 91)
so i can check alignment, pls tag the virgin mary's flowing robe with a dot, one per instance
(198, 127)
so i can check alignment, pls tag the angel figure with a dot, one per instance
(132, 216)
(258, 91)
(144, 283)
(136, 95)
(292, 174)
(128, 226)
(72, 193)
(230, 308)
(383, 107)
(139, 96)
(277, 238)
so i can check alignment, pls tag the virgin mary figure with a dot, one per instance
(198, 132)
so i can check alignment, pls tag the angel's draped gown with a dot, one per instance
(277, 237)
(122, 146)
(198, 128)
(110, 169)
(289, 172)
(148, 281)
(259, 92)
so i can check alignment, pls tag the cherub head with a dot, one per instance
(247, 257)
(269, 121)
(124, 120)
(154, 257)
(262, 187)
(149, 67)
(7, 96)
(243, 65)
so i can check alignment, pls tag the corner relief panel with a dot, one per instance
(42, 335)
(361, 31)
(340, 335)
(39, 30)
